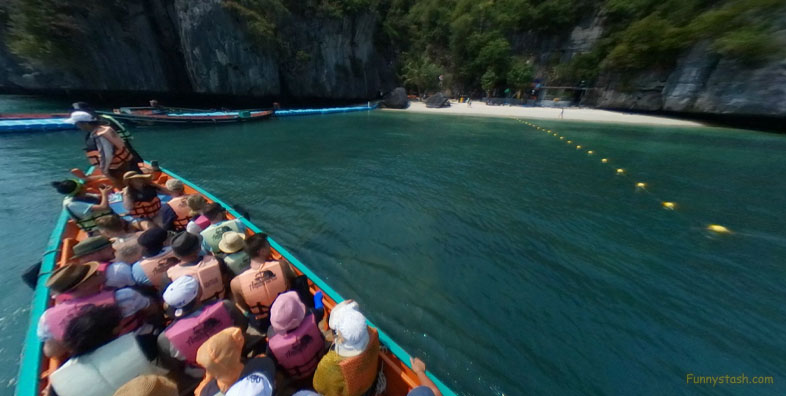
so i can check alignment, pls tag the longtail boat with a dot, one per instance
(35, 368)
(148, 116)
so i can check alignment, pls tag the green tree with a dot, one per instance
(489, 81)
(421, 74)
(520, 74)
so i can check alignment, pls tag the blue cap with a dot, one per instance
(421, 391)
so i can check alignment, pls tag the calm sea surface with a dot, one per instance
(512, 262)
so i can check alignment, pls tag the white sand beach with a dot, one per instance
(548, 113)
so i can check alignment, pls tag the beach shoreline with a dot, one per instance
(480, 109)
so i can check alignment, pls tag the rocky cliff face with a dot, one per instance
(186, 46)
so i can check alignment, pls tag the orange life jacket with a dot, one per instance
(156, 266)
(146, 209)
(121, 153)
(207, 272)
(261, 286)
(179, 205)
(360, 371)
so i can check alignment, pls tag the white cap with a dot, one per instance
(339, 310)
(181, 292)
(79, 116)
(352, 333)
(254, 384)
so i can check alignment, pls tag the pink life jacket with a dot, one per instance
(299, 351)
(207, 272)
(58, 316)
(189, 333)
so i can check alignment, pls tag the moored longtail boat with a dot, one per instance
(35, 368)
(149, 116)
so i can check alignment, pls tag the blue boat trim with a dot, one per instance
(329, 110)
(30, 366)
(35, 124)
(383, 337)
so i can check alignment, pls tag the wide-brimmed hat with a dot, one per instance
(90, 245)
(69, 276)
(185, 243)
(287, 312)
(79, 116)
(131, 175)
(148, 385)
(231, 242)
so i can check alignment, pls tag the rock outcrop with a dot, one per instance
(396, 99)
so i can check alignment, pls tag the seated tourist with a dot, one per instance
(95, 248)
(350, 367)
(77, 286)
(222, 358)
(205, 268)
(219, 224)
(295, 341)
(118, 273)
(194, 323)
(140, 199)
(255, 289)
(148, 385)
(232, 245)
(178, 205)
(83, 207)
(426, 387)
(117, 230)
(101, 362)
(156, 259)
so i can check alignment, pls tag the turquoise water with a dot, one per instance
(512, 262)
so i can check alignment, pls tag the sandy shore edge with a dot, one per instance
(548, 113)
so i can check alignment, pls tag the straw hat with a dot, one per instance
(70, 276)
(148, 385)
(231, 242)
(131, 175)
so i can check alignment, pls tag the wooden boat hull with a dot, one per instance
(190, 119)
(35, 368)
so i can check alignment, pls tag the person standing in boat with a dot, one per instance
(110, 121)
(77, 286)
(104, 148)
(140, 199)
(219, 224)
(350, 367)
(83, 207)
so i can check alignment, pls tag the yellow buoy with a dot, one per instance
(590, 152)
(669, 205)
(641, 185)
(562, 138)
(578, 147)
(604, 160)
(570, 141)
(620, 171)
(719, 229)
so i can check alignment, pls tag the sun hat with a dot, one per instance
(175, 185)
(185, 243)
(287, 312)
(231, 242)
(221, 355)
(339, 310)
(79, 116)
(351, 334)
(181, 292)
(254, 384)
(421, 391)
(90, 245)
(148, 385)
(152, 240)
(70, 276)
(131, 175)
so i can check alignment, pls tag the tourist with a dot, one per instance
(117, 230)
(83, 207)
(425, 387)
(100, 361)
(110, 121)
(97, 248)
(148, 385)
(140, 199)
(178, 204)
(219, 224)
(104, 148)
(196, 203)
(205, 268)
(232, 245)
(295, 341)
(222, 358)
(156, 259)
(194, 323)
(118, 273)
(350, 367)
(255, 289)
(77, 286)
